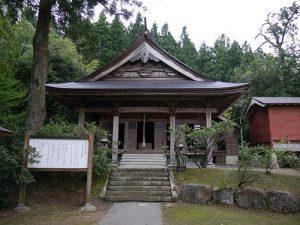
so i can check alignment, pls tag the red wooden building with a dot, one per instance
(275, 121)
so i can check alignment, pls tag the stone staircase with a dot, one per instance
(140, 177)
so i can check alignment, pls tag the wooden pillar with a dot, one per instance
(208, 124)
(172, 138)
(115, 138)
(22, 194)
(81, 117)
(126, 135)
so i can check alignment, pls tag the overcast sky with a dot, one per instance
(206, 20)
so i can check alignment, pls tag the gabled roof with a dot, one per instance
(267, 101)
(4, 132)
(2, 129)
(145, 49)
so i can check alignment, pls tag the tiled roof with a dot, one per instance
(277, 100)
(149, 85)
(266, 101)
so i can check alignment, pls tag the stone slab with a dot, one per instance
(133, 213)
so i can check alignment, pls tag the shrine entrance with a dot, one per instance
(146, 142)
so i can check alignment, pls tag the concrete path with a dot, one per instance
(133, 213)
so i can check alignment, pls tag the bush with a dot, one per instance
(9, 165)
(62, 129)
(11, 172)
(290, 160)
(246, 155)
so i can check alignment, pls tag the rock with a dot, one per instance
(223, 195)
(251, 198)
(282, 201)
(195, 193)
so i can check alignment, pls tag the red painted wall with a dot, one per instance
(284, 123)
(259, 126)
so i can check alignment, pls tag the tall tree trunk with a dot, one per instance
(36, 109)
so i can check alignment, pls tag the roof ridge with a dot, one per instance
(134, 47)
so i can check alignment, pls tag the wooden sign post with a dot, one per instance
(57, 154)
(88, 205)
(22, 195)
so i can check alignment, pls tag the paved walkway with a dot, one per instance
(133, 213)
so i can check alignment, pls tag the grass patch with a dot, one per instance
(227, 178)
(60, 214)
(55, 198)
(98, 184)
(187, 214)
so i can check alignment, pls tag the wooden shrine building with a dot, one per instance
(142, 93)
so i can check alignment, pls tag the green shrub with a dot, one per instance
(8, 169)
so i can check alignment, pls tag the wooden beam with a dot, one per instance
(149, 110)
(195, 110)
(144, 109)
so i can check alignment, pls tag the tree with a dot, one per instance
(167, 41)
(205, 57)
(119, 37)
(136, 29)
(86, 42)
(13, 90)
(205, 140)
(65, 11)
(154, 32)
(188, 52)
(280, 32)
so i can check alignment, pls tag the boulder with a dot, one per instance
(251, 198)
(282, 201)
(195, 193)
(223, 195)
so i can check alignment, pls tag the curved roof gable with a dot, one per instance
(145, 49)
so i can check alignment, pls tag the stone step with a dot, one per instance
(138, 178)
(139, 174)
(138, 198)
(141, 166)
(138, 183)
(138, 188)
(140, 170)
(143, 155)
(143, 163)
(138, 193)
(143, 159)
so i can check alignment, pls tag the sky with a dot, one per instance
(206, 20)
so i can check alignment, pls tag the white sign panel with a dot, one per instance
(60, 153)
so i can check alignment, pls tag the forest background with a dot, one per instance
(79, 47)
